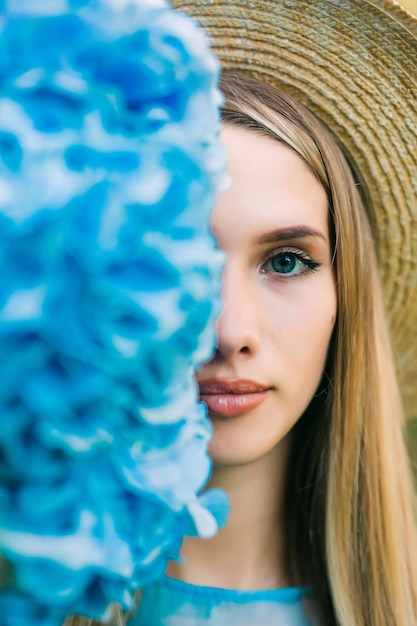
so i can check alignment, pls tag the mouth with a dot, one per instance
(232, 396)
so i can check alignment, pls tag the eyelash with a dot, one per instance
(309, 264)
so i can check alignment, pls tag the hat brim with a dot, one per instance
(354, 64)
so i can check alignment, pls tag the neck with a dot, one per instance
(248, 552)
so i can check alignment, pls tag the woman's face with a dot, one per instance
(279, 298)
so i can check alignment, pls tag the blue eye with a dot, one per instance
(289, 263)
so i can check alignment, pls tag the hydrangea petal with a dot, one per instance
(109, 292)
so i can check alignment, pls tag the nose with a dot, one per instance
(238, 330)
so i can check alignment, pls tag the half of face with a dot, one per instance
(279, 298)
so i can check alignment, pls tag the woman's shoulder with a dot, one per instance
(171, 602)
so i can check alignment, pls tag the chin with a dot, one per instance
(232, 449)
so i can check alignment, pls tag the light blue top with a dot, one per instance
(171, 602)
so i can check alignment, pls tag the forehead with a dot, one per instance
(271, 187)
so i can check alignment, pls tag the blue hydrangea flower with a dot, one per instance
(109, 285)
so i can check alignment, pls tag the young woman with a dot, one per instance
(302, 394)
(302, 390)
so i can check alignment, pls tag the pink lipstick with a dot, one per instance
(230, 397)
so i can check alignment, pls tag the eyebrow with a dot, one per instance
(295, 232)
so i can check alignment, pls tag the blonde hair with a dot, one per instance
(351, 532)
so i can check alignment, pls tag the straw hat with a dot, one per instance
(354, 64)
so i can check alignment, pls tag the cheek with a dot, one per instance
(302, 332)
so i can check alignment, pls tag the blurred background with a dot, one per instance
(410, 5)
(412, 445)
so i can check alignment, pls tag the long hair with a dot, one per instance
(350, 527)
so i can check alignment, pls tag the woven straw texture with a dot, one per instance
(354, 64)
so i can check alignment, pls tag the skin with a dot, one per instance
(279, 311)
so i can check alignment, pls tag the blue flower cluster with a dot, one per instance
(109, 289)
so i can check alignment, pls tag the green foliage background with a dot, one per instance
(411, 438)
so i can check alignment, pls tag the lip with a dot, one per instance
(230, 397)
